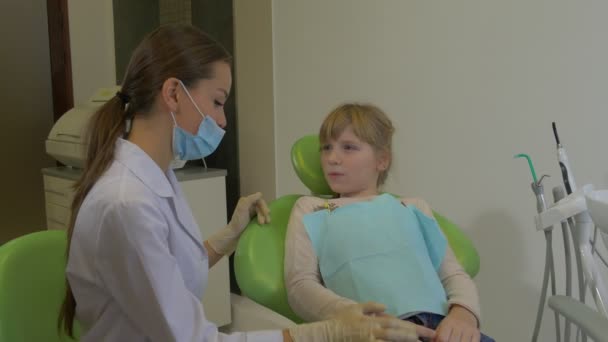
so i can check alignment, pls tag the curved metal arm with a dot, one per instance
(591, 322)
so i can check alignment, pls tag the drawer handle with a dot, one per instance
(55, 192)
(55, 221)
(75, 136)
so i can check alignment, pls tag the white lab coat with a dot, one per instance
(137, 265)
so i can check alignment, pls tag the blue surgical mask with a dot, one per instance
(189, 147)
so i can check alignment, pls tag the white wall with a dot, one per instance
(254, 93)
(92, 47)
(26, 116)
(468, 85)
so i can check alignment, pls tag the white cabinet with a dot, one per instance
(58, 195)
(207, 199)
(206, 195)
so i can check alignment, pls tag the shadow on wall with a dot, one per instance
(499, 241)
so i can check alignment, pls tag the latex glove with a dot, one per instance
(459, 325)
(354, 323)
(224, 241)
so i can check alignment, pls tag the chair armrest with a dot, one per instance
(591, 322)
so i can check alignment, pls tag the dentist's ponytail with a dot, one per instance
(105, 127)
(179, 51)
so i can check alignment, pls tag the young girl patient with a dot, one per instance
(367, 246)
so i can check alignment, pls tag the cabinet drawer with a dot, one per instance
(52, 224)
(57, 213)
(55, 184)
(59, 198)
(58, 191)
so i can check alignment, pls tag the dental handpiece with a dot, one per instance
(564, 165)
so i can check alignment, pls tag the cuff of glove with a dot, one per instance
(333, 330)
(310, 332)
(224, 241)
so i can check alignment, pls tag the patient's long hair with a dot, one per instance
(179, 51)
(368, 122)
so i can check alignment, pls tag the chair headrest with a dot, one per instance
(306, 162)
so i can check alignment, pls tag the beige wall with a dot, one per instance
(27, 97)
(468, 85)
(255, 96)
(92, 47)
(27, 115)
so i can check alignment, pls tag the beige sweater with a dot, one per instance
(312, 301)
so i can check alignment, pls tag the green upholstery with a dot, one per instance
(463, 248)
(307, 164)
(258, 260)
(32, 287)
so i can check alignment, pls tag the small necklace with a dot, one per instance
(327, 206)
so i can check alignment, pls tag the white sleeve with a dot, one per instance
(458, 285)
(142, 276)
(307, 295)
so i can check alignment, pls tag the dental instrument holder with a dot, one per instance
(558, 194)
(549, 272)
(539, 192)
(582, 232)
(574, 205)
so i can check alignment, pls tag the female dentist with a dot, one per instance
(136, 264)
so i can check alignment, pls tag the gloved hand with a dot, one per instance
(355, 323)
(224, 241)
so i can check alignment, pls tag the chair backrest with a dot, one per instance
(306, 162)
(32, 286)
(258, 261)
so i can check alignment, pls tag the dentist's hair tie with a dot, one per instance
(124, 98)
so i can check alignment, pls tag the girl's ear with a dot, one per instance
(383, 160)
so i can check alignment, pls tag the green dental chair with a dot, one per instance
(258, 260)
(32, 287)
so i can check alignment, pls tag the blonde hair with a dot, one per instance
(368, 122)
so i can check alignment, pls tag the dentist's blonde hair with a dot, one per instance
(368, 122)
